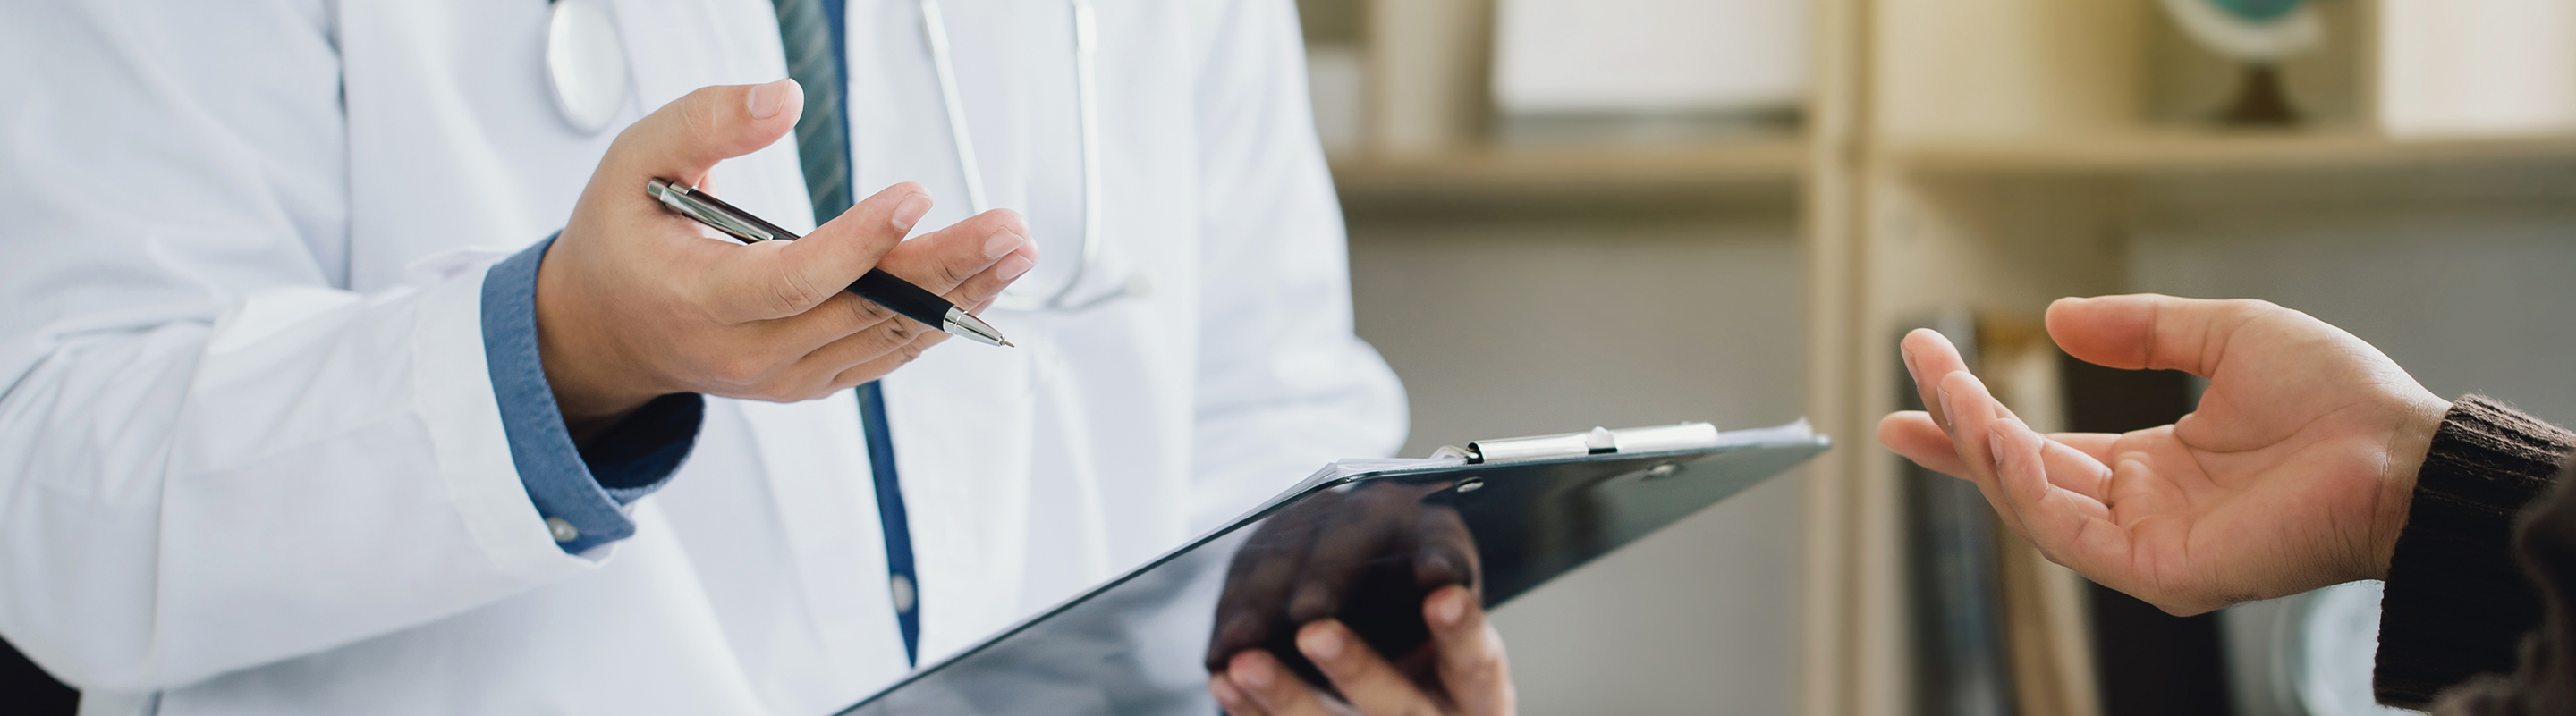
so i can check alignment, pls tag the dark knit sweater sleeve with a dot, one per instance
(2458, 601)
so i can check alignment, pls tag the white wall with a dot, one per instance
(1504, 327)
(2470, 295)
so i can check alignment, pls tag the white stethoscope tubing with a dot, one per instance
(1086, 91)
(585, 64)
(937, 28)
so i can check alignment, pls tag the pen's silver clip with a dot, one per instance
(678, 198)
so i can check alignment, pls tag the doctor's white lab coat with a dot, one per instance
(250, 458)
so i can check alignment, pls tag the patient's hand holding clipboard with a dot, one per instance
(1363, 541)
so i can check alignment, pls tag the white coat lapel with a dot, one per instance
(816, 463)
(961, 420)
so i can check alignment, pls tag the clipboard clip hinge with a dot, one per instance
(1682, 436)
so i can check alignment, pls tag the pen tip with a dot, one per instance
(1006, 343)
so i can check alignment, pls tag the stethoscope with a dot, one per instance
(587, 71)
(585, 64)
(1086, 105)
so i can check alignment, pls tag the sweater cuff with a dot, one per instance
(2457, 601)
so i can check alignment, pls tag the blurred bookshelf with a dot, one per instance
(1760, 164)
(1983, 157)
(2143, 152)
(2004, 153)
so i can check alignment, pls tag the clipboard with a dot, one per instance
(1531, 509)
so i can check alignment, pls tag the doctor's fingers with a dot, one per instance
(786, 280)
(1376, 529)
(1259, 685)
(684, 139)
(1231, 699)
(966, 264)
(1470, 653)
(886, 364)
(1444, 551)
(1366, 680)
(1264, 569)
(893, 340)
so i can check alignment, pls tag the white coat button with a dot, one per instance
(563, 531)
(902, 587)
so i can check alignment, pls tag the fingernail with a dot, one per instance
(1252, 673)
(1011, 268)
(1434, 563)
(1947, 412)
(1449, 606)
(1002, 242)
(1995, 444)
(770, 99)
(1908, 357)
(1242, 629)
(1312, 601)
(1324, 643)
(909, 212)
(1225, 694)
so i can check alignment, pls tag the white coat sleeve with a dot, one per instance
(1285, 385)
(210, 457)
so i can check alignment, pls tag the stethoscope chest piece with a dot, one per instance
(585, 64)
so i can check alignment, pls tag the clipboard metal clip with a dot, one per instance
(1683, 436)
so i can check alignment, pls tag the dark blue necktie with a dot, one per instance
(811, 31)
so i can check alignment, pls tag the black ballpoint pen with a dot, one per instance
(885, 289)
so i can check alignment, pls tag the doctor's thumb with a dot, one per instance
(685, 138)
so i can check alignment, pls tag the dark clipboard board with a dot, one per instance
(1537, 508)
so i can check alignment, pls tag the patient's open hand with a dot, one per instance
(2295, 472)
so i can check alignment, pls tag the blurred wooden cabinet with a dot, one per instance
(1981, 155)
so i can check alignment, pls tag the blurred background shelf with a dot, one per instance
(1763, 165)
(2187, 151)
(1772, 190)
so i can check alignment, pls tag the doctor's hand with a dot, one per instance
(1364, 599)
(1465, 655)
(2295, 472)
(634, 301)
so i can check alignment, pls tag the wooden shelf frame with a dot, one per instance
(1513, 173)
(2187, 151)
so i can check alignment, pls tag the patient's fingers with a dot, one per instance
(1929, 357)
(2076, 461)
(2073, 469)
(1972, 413)
(2070, 528)
(2097, 445)
(1912, 434)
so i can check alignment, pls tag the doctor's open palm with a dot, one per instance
(635, 302)
(2295, 471)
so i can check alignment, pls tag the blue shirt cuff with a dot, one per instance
(581, 491)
